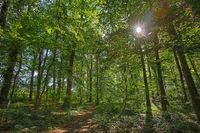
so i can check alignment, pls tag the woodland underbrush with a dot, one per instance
(23, 117)
(114, 120)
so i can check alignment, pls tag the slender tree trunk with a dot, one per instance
(90, 72)
(67, 100)
(180, 75)
(194, 68)
(148, 103)
(60, 79)
(81, 87)
(15, 79)
(54, 75)
(41, 67)
(32, 77)
(88, 82)
(160, 82)
(97, 79)
(46, 81)
(100, 84)
(39, 79)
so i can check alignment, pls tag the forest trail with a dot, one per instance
(81, 122)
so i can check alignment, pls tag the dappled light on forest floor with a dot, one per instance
(81, 122)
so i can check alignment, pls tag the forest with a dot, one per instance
(100, 66)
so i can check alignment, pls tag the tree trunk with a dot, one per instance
(81, 87)
(8, 75)
(39, 79)
(60, 79)
(186, 72)
(90, 74)
(46, 81)
(88, 82)
(32, 78)
(160, 82)
(180, 75)
(54, 75)
(41, 67)
(100, 84)
(97, 79)
(15, 79)
(67, 100)
(148, 103)
(12, 57)
(190, 82)
(194, 68)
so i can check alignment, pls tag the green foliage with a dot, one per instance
(24, 116)
(106, 64)
(136, 123)
(195, 5)
(178, 123)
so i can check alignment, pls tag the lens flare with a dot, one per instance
(138, 29)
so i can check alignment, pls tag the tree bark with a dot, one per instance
(41, 67)
(67, 100)
(180, 75)
(8, 75)
(15, 79)
(12, 57)
(54, 75)
(81, 87)
(148, 103)
(39, 79)
(97, 79)
(88, 82)
(160, 82)
(190, 82)
(46, 81)
(90, 74)
(194, 68)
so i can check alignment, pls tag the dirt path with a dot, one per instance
(82, 122)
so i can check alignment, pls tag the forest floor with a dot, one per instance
(81, 122)
(88, 118)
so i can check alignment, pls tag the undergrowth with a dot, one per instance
(133, 121)
(23, 117)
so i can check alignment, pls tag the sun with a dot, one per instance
(138, 29)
